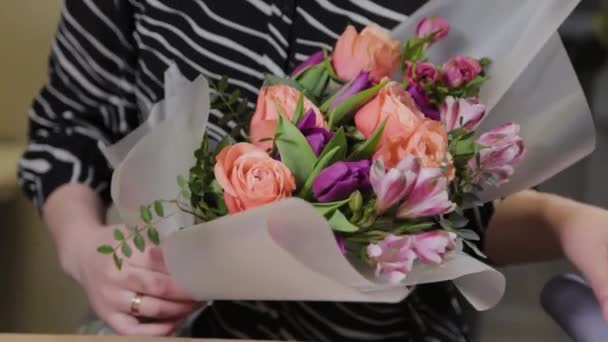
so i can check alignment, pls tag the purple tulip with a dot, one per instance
(341, 244)
(360, 83)
(429, 197)
(423, 102)
(466, 113)
(317, 137)
(312, 60)
(340, 180)
(503, 149)
(393, 186)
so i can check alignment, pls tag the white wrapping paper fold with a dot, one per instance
(286, 250)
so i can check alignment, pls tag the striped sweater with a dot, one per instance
(106, 70)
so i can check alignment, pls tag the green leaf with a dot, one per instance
(145, 214)
(457, 220)
(271, 80)
(485, 62)
(463, 148)
(181, 181)
(414, 227)
(126, 249)
(475, 249)
(225, 142)
(222, 84)
(340, 223)
(330, 68)
(468, 235)
(299, 113)
(295, 151)
(366, 149)
(323, 162)
(234, 96)
(314, 80)
(118, 236)
(326, 209)
(185, 194)
(153, 235)
(471, 199)
(117, 261)
(352, 103)
(338, 140)
(474, 86)
(105, 249)
(158, 208)
(139, 242)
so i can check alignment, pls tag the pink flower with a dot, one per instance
(429, 197)
(504, 149)
(431, 247)
(466, 113)
(341, 244)
(460, 70)
(371, 50)
(392, 187)
(426, 72)
(432, 25)
(393, 257)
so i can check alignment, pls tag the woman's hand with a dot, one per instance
(75, 217)
(584, 238)
(110, 291)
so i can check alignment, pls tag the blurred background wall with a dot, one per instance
(36, 297)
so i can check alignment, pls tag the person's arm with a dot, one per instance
(90, 97)
(531, 227)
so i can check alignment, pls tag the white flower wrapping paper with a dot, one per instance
(286, 250)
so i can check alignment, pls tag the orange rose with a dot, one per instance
(371, 50)
(394, 104)
(428, 143)
(251, 178)
(265, 119)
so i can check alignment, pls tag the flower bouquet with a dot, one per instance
(359, 166)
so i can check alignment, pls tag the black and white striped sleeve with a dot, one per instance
(89, 97)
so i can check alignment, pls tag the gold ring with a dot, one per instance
(136, 304)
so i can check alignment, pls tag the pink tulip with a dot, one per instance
(429, 197)
(431, 247)
(466, 113)
(503, 149)
(460, 70)
(432, 25)
(393, 257)
(392, 187)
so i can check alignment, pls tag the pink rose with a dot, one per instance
(460, 70)
(371, 50)
(426, 72)
(432, 25)
(266, 117)
(251, 178)
(395, 105)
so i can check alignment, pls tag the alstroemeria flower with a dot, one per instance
(431, 247)
(393, 257)
(466, 113)
(393, 186)
(503, 149)
(429, 197)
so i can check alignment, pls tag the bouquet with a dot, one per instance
(352, 178)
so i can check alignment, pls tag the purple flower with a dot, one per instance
(340, 180)
(341, 244)
(317, 137)
(423, 102)
(312, 60)
(360, 83)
